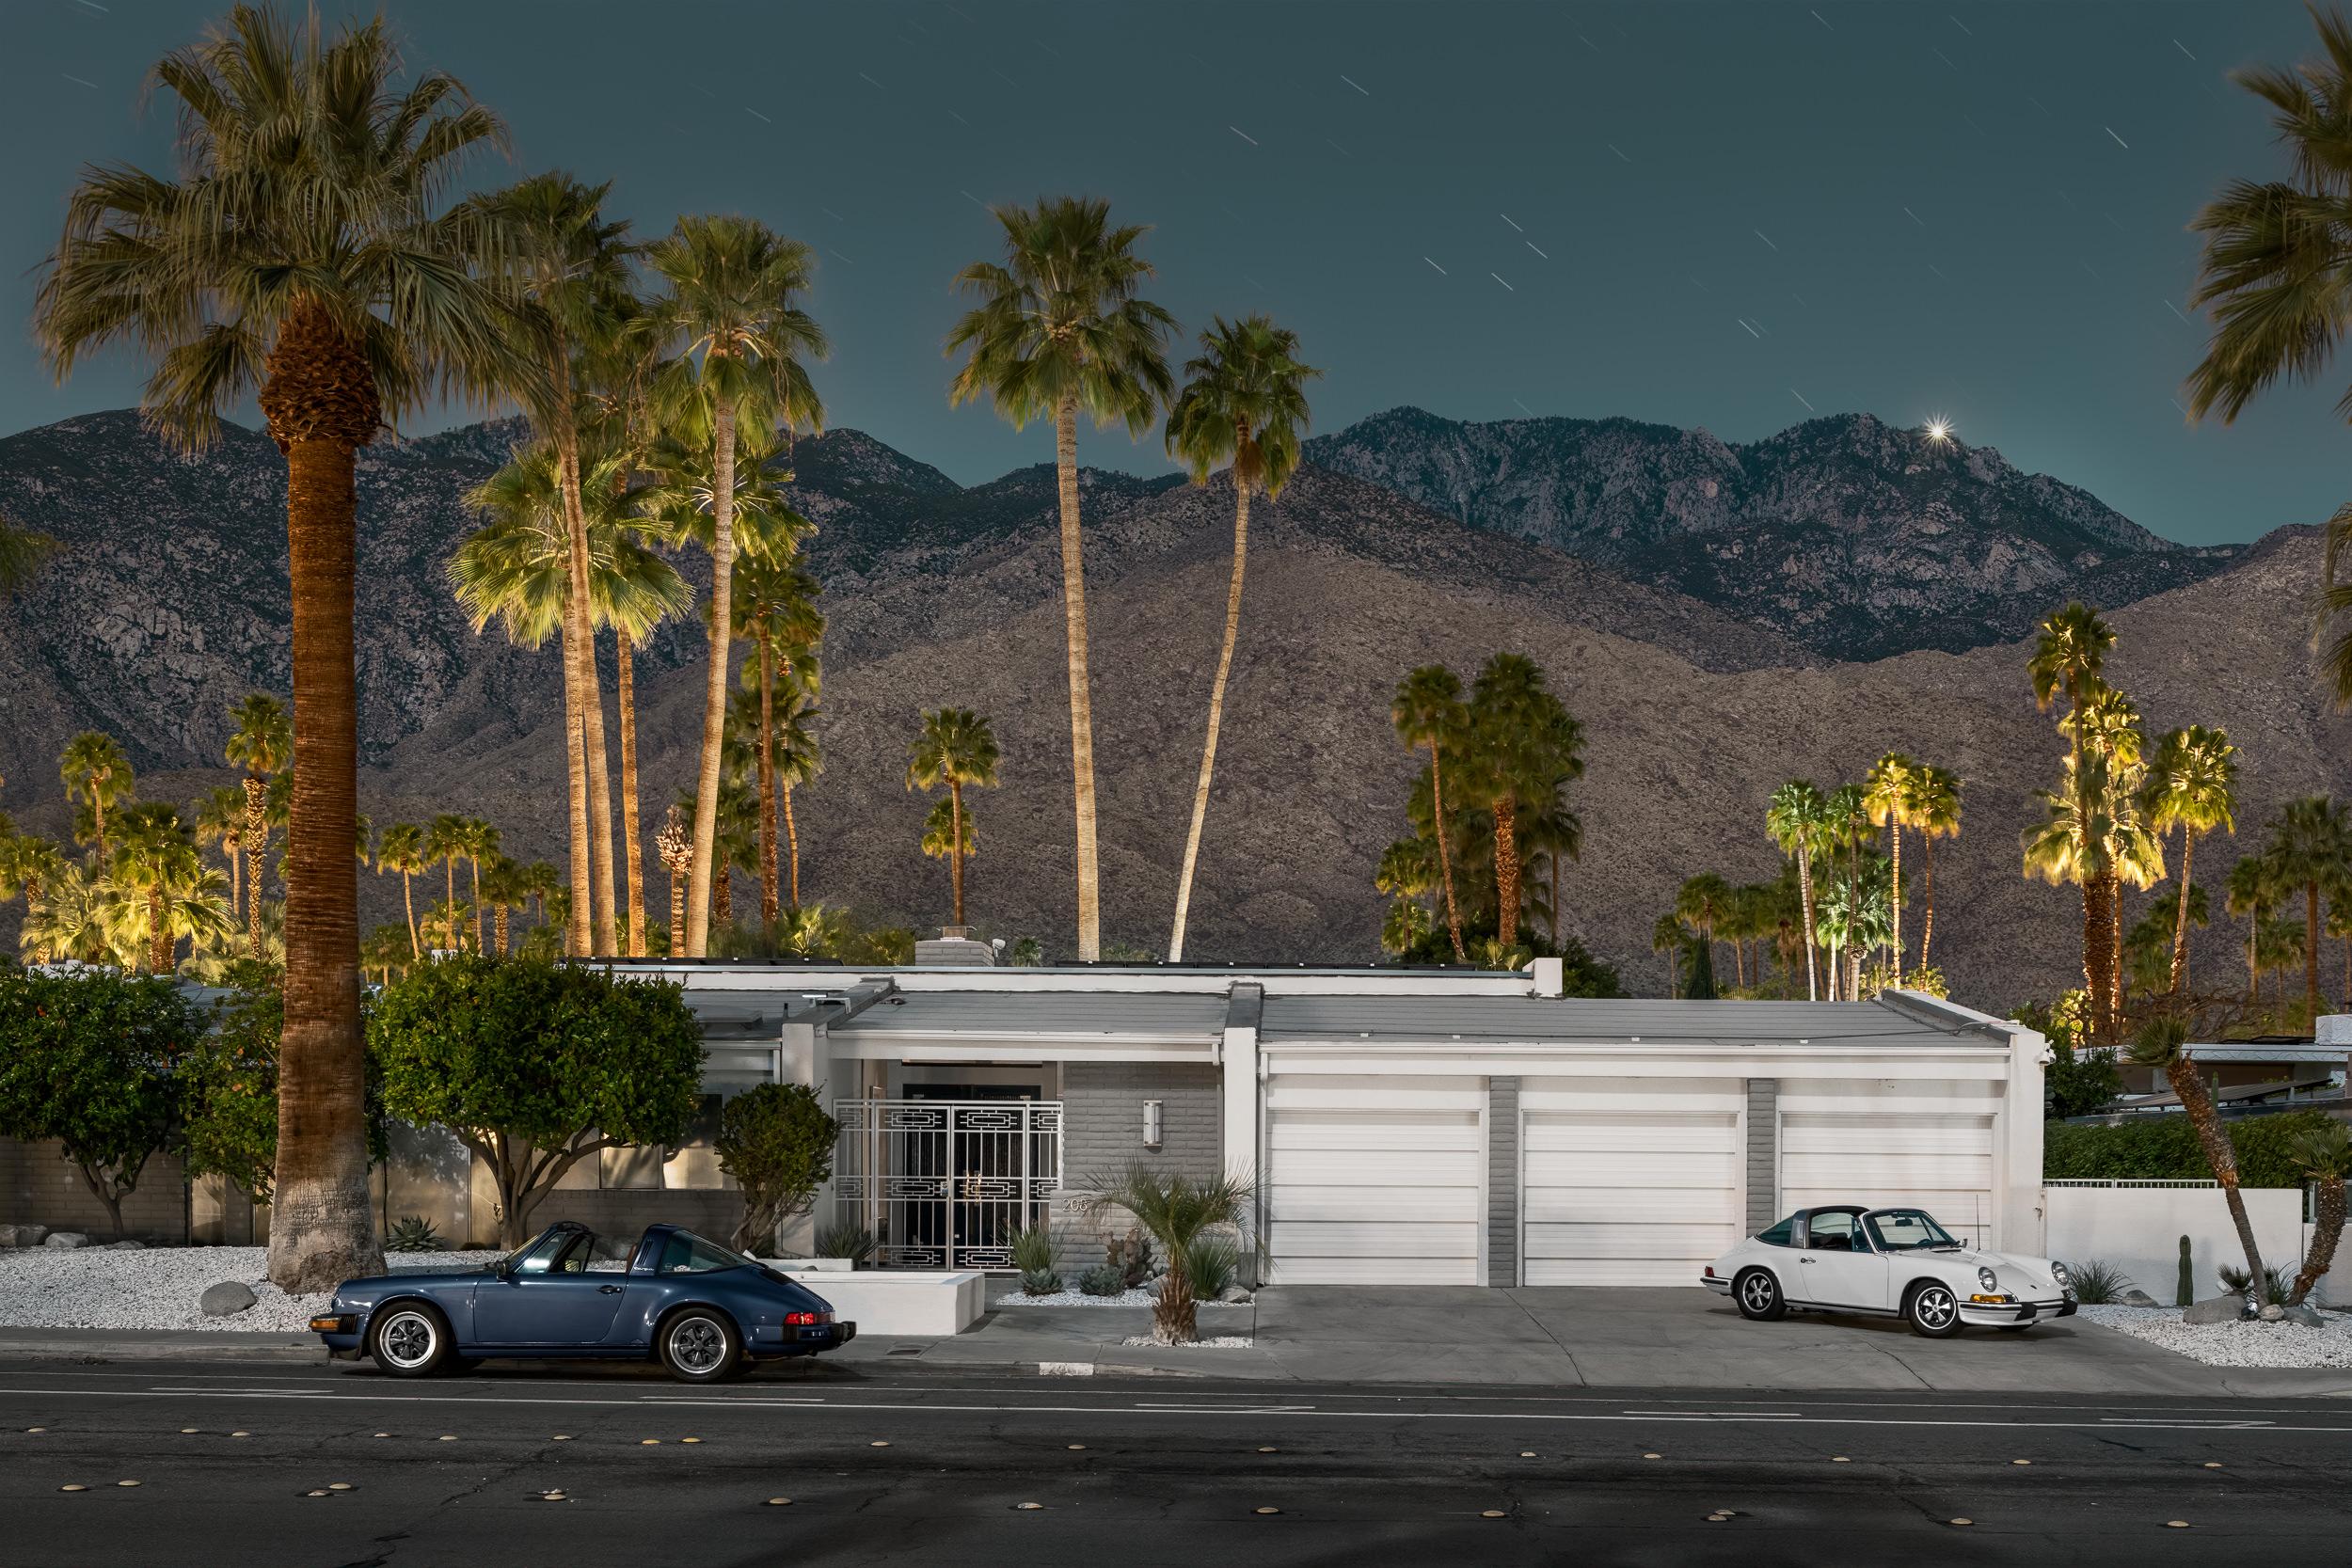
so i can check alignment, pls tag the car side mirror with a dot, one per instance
(502, 1268)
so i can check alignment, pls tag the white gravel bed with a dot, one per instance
(1220, 1341)
(2239, 1344)
(158, 1287)
(1076, 1298)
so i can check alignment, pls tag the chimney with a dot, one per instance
(954, 946)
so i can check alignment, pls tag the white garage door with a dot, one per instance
(1629, 1181)
(1378, 1180)
(1942, 1162)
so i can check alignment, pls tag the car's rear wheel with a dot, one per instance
(1759, 1296)
(699, 1345)
(412, 1340)
(1933, 1310)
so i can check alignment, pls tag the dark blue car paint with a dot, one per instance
(594, 1314)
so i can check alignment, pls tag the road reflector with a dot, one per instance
(559, 1437)
(126, 1483)
(1269, 1451)
(2021, 1461)
(779, 1502)
(314, 1494)
(1028, 1508)
(1077, 1448)
(1492, 1513)
(383, 1435)
(185, 1431)
(878, 1443)
(1839, 1459)
(2212, 1465)
(1527, 1453)
(1963, 1521)
(2176, 1524)
(248, 1434)
(1269, 1511)
(446, 1438)
(689, 1439)
(36, 1429)
(73, 1487)
(648, 1442)
(1653, 1456)
(339, 1486)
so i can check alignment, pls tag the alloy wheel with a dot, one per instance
(1756, 1291)
(1935, 1309)
(407, 1341)
(697, 1345)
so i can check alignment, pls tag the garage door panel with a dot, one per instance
(1549, 1241)
(1941, 1162)
(1549, 1131)
(1627, 1182)
(1549, 1205)
(1610, 1273)
(1375, 1167)
(1355, 1200)
(1341, 1131)
(1388, 1270)
(1619, 1172)
(1373, 1239)
(1375, 1179)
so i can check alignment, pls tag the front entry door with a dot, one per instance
(984, 1162)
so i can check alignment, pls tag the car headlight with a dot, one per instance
(2057, 1272)
(1984, 1277)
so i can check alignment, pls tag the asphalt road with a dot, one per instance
(301, 1467)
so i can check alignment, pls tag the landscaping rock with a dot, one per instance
(2272, 1313)
(2137, 1297)
(1235, 1294)
(128, 1246)
(225, 1298)
(2300, 1313)
(67, 1239)
(30, 1235)
(7, 1236)
(2219, 1309)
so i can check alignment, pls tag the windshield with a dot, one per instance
(1907, 1230)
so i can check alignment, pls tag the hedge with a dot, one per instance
(2164, 1147)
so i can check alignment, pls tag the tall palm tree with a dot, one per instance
(1060, 330)
(730, 311)
(96, 774)
(28, 866)
(956, 748)
(21, 553)
(152, 850)
(220, 818)
(2070, 651)
(480, 841)
(568, 268)
(1670, 936)
(1849, 832)
(1703, 902)
(1935, 812)
(505, 888)
(2192, 785)
(260, 741)
(1523, 748)
(2254, 890)
(402, 849)
(1798, 819)
(2158, 1044)
(301, 253)
(69, 917)
(1429, 712)
(1244, 407)
(1887, 789)
(674, 845)
(775, 609)
(797, 759)
(444, 846)
(2311, 844)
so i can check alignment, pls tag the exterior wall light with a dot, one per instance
(1152, 1124)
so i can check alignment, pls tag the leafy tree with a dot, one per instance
(777, 1142)
(956, 748)
(2080, 1083)
(2192, 785)
(536, 1066)
(91, 1062)
(1061, 329)
(1244, 406)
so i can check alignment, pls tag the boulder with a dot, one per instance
(127, 1247)
(1235, 1294)
(2134, 1296)
(30, 1235)
(2272, 1313)
(2300, 1313)
(222, 1300)
(2218, 1309)
(67, 1239)
(7, 1236)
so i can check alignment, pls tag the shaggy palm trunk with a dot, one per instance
(409, 898)
(1812, 932)
(319, 398)
(1927, 896)
(2253, 957)
(159, 943)
(678, 912)
(792, 845)
(2219, 1153)
(2098, 953)
(1895, 899)
(2180, 919)
(626, 686)
(1073, 603)
(1175, 1316)
(714, 688)
(723, 897)
(2311, 953)
(2327, 1230)
(498, 929)
(473, 865)
(955, 847)
(580, 643)
(1216, 713)
(767, 783)
(1507, 869)
(2115, 954)
(257, 835)
(98, 814)
(1445, 859)
(233, 848)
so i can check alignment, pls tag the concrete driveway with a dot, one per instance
(1673, 1338)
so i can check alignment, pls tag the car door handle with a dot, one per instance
(608, 1289)
(1804, 1260)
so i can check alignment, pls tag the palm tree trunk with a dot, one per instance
(1506, 870)
(1812, 932)
(409, 898)
(2197, 1100)
(2327, 1230)
(1217, 716)
(98, 817)
(1895, 896)
(2253, 955)
(1739, 964)
(605, 887)
(1074, 601)
(2098, 955)
(1445, 857)
(2311, 953)
(473, 864)
(498, 929)
(767, 785)
(955, 844)
(714, 688)
(234, 847)
(580, 619)
(159, 943)
(576, 921)
(2115, 952)
(321, 1230)
(255, 834)
(626, 684)
(792, 841)
(1927, 894)
(678, 915)
(2180, 921)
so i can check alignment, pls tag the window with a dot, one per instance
(1783, 1234)
(540, 1256)
(1907, 1230)
(1833, 1230)
(686, 1253)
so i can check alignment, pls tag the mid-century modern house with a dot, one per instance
(1400, 1125)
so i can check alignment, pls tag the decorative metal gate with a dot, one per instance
(947, 1183)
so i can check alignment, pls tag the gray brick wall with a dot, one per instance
(1763, 1152)
(1102, 1134)
(1502, 1182)
(38, 1187)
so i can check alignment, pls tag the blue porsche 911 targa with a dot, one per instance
(704, 1311)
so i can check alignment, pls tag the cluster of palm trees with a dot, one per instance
(1850, 891)
(1488, 808)
(1708, 910)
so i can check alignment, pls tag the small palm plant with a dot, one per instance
(1175, 1211)
(2325, 1153)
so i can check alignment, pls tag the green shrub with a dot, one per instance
(777, 1142)
(413, 1233)
(2097, 1284)
(1033, 1249)
(2164, 1148)
(845, 1239)
(1040, 1282)
(2277, 1282)
(1103, 1281)
(1210, 1263)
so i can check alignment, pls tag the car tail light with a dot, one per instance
(1711, 1271)
(806, 1319)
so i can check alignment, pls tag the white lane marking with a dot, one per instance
(1723, 1415)
(2262, 1428)
(687, 1398)
(1226, 1409)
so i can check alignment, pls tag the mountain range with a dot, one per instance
(1720, 617)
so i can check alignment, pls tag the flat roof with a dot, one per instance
(1578, 1018)
(1190, 1018)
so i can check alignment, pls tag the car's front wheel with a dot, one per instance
(412, 1340)
(1933, 1310)
(699, 1345)
(1759, 1296)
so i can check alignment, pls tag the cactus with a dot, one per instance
(2185, 1292)
(1103, 1279)
(412, 1233)
(1040, 1282)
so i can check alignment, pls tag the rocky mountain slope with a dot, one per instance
(169, 602)
(1854, 537)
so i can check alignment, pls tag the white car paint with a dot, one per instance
(1935, 1289)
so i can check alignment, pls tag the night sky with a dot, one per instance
(1720, 216)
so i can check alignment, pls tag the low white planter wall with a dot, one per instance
(2138, 1230)
(890, 1301)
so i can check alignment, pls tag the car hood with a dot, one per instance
(374, 1285)
(2008, 1266)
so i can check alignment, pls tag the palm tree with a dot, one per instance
(96, 774)
(1523, 749)
(69, 917)
(151, 850)
(300, 254)
(1244, 407)
(775, 609)
(402, 849)
(1798, 819)
(505, 888)
(1174, 1210)
(2158, 1044)
(1428, 711)
(1670, 936)
(2311, 846)
(1887, 789)
(2070, 651)
(21, 553)
(2254, 890)
(2325, 1155)
(2192, 785)
(2092, 833)
(956, 748)
(1060, 330)
(480, 842)
(444, 844)
(730, 311)
(220, 818)
(1703, 901)
(797, 759)
(1850, 832)
(1935, 812)
(28, 865)
(674, 845)
(260, 741)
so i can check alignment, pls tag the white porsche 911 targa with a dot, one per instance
(1892, 1262)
